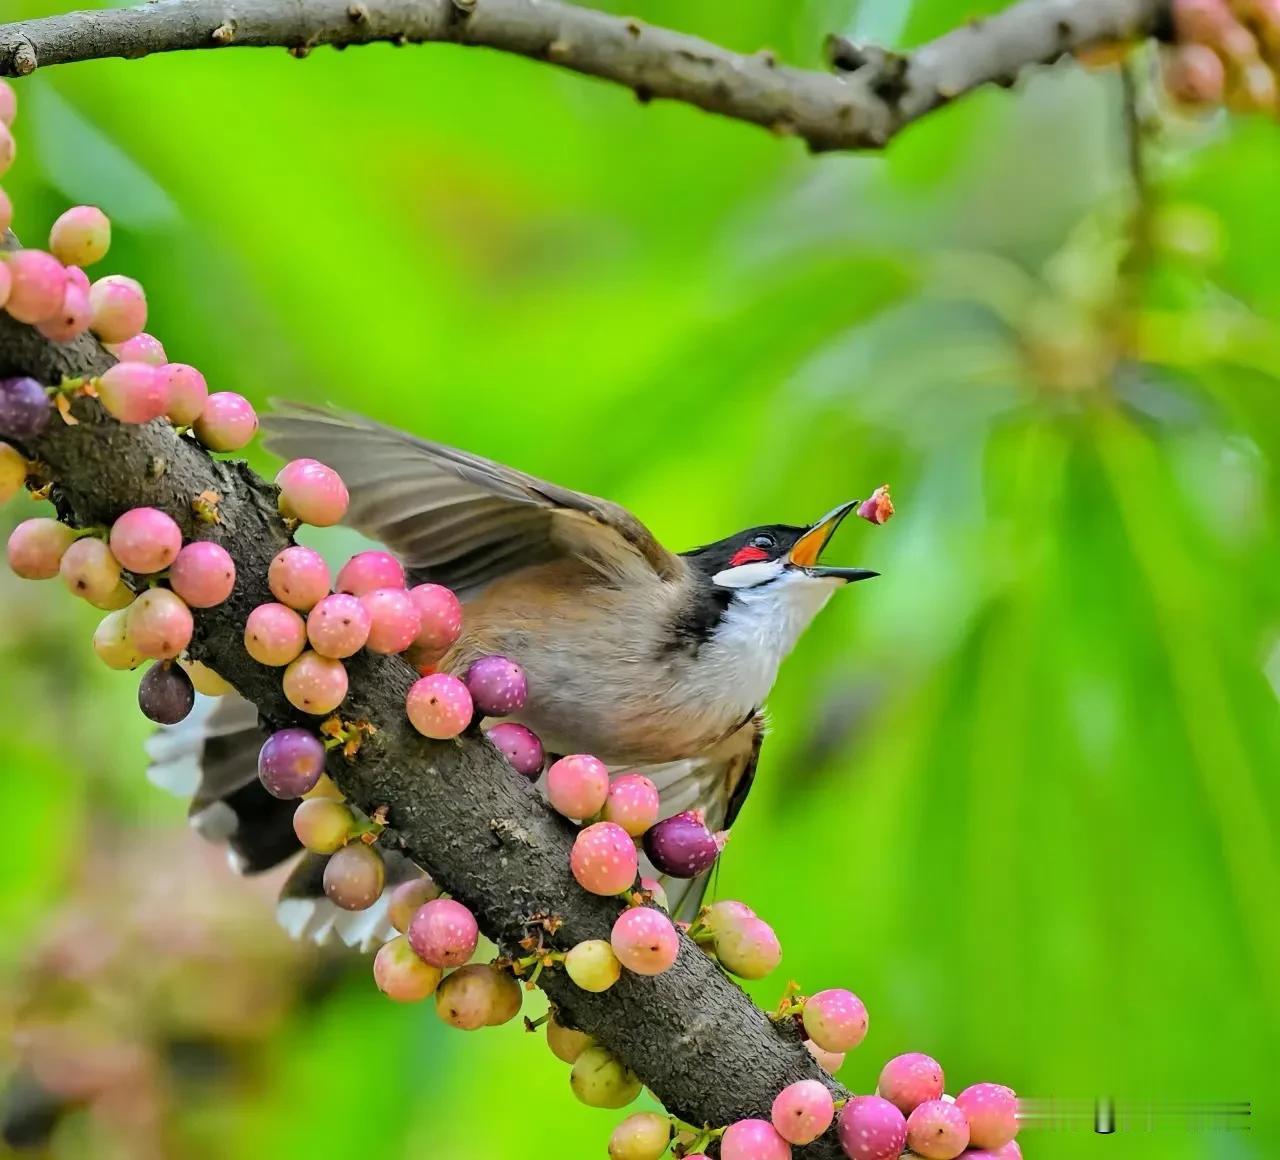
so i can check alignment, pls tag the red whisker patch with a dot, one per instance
(747, 555)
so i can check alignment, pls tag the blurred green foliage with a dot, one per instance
(1020, 792)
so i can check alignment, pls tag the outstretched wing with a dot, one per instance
(716, 782)
(453, 517)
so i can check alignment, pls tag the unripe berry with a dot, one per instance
(600, 1081)
(119, 308)
(644, 940)
(206, 680)
(38, 283)
(937, 1130)
(160, 624)
(497, 685)
(274, 635)
(36, 548)
(89, 570)
(830, 1061)
(401, 975)
(323, 825)
(682, 846)
(312, 493)
(25, 409)
(603, 859)
(13, 471)
(566, 1043)
(441, 618)
(802, 1111)
(338, 626)
(393, 620)
(753, 1140)
(725, 915)
(835, 1019)
(290, 763)
(188, 392)
(642, 1136)
(520, 746)
(165, 694)
(1194, 75)
(299, 578)
(315, 684)
(439, 706)
(365, 571)
(81, 236)
(992, 1112)
(203, 574)
(749, 949)
(444, 933)
(354, 876)
(121, 596)
(592, 965)
(633, 803)
(408, 898)
(112, 644)
(506, 997)
(475, 996)
(133, 392)
(227, 423)
(140, 348)
(8, 103)
(909, 1080)
(578, 785)
(871, 1128)
(72, 318)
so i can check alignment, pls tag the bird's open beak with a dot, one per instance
(808, 548)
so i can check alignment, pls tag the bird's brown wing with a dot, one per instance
(716, 782)
(456, 518)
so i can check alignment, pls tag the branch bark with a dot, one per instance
(873, 96)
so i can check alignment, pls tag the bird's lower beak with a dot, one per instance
(808, 548)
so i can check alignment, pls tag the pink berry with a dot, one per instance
(78, 277)
(644, 940)
(1194, 75)
(835, 1019)
(604, 859)
(444, 933)
(498, 686)
(354, 877)
(133, 392)
(830, 1061)
(643, 1136)
(274, 635)
(112, 644)
(36, 548)
(682, 846)
(312, 493)
(72, 318)
(393, 620)
(119, 308)
(401, 975)
(992, 1112)
(8, 103)
(520, 746)
(338, 626)
(753, 1140)
(227, 423)
(6, 278)
(408, 898)
(365, 571)
(633, 803)
(315, 684)
(592, 965)
(81, 236)
(203, 574)
(655, 889)
(188, 392)
(290, 763)
(439, 706)
(441, 617)
(871, 1128)
(140, 348)
(299, 577)
(909, 1080)
(38, 283)
(13, 471)
(145, 540)
(89, 570)
(802, 1111)
(937, 1130)
(578, 785)
(160, 624)
(749, 949)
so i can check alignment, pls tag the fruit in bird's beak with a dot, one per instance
(878, 507)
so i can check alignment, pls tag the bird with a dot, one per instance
(654, 661)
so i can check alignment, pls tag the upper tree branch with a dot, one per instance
(857, 109)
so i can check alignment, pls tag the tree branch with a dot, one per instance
(875, 95)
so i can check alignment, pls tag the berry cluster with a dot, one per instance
(1227, 51)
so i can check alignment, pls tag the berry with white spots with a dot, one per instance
(753, 1140)
(439, 706)
(119, 308)
(338, 626)
(160, 624)
(365, 571)
(603, 859)
(444, 933)
(36, 548)
(401, 975)
(290, 763)
(909, 1080)
(312, 493)
(992, 1112)
(393, 620)
(578, 785)
(592, 965)
(323, 825)
(315, 684)
(937, 1130)
(682, 846)
(227, 423)
(203, 574)
(802, 1111)
(497, 685)
(644, 940)
(520, 745)
(642, 1136)
(835, 1019)
(81, 236)
(871, 1128)
(354, 877)
(188, 391)
(299, 578)
(601, 1081)
(633, 803)
(441, 618)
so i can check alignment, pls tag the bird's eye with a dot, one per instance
(764, 540)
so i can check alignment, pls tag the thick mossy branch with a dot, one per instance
(856, 109)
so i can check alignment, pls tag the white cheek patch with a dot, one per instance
(749, 575)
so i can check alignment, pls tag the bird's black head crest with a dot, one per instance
(766, 542)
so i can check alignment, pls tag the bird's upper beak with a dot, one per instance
(808, 548)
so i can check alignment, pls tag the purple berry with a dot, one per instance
(519, 745)
(354, 877)
(311, 492)
(274, 635)
(119, 308)
(753, 1140)
(38, 283)
(81, 236)
(36, 548)
(203, 574)
(992, 1112)
(601, 1081)
(835, 1019)
(444, 933)
(290, 763)
(160, 624)
(165, 694)
(802, 1111)
(644, 940)
(909, 1080)
(578, 785)
(871, 1128)
(89, 570)
(25, 409)
(227, 423)
(393, 620)
(365, 571)
(299, 578)
(145, 540)
(439, 706)
(188, 391)
(603, 859)
(498, 686)
(401, 975)
(140, 348)
(408, 898)
(133, 392)
(323, 825)
(315, 684)
(633, 803)
(937, 1130)
(338, 626)
(682, 846)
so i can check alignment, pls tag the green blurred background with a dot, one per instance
(1019, 793)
